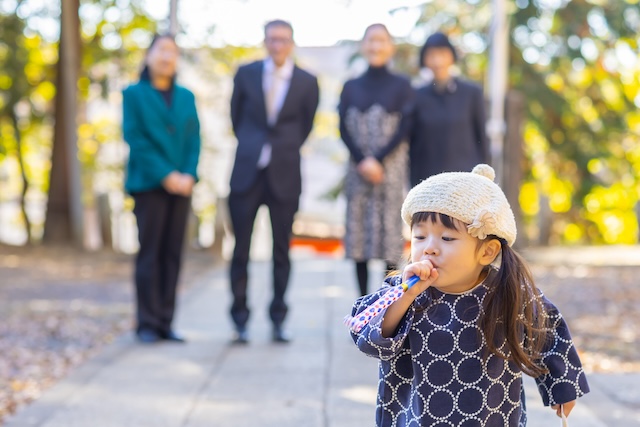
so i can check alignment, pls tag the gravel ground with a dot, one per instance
(602, 308)
(59, 306)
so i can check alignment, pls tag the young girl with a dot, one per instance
(453, 347)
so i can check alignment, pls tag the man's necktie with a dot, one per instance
(272, 97)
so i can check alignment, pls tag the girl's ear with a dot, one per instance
(489, 251)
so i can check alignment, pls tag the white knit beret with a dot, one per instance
(472, 198)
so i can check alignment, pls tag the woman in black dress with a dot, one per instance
(448, 128)
(375, 110)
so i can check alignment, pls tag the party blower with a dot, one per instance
(357, 322)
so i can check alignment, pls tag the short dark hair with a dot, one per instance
(436, 39)
(278, 23)
(144, 74)
(377, 25)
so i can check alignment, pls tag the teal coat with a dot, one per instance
(161, 138)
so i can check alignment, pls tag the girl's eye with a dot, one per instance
(418, 237)
(448, 239)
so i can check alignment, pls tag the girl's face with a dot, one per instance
(458, 256)
(162, 58)
(439, 60)
(377, 46)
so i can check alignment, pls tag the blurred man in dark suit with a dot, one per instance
(272, 109)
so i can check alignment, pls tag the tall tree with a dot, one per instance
(113, 34)
(64, 222)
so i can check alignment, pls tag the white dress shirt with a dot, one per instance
(275, 83)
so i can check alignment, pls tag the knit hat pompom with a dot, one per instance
(485, 170)
(471, 197)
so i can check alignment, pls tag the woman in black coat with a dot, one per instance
(448, 130)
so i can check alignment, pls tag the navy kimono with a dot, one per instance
(433, 373)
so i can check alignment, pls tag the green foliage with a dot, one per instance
(576, 63)
(25, 95)
(112, 34)
(25, 80)
(577, 66)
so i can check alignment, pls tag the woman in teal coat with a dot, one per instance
(160, 125)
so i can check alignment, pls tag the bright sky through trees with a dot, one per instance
(240, 22)
(315, 22)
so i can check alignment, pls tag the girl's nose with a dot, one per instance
(430, 248)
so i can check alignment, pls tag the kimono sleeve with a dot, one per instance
(566, 380)
(369, 339)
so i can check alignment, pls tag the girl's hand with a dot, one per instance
(395, 312)
(425, 271)
(568, 407)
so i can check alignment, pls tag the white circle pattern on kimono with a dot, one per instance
(440, 373)
(407, 374)
(441, 404)
(514, 390)
(495, 396)
(469, 371)
(466, 341)
(475, 398)
(420, 339)
(441, 318)
(442, 340)
(466, 309)
(495, 374)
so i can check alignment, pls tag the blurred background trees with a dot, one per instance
(576, 63)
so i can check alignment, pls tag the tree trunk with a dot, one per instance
(513, 159)
(173, 17)
(23, 175)
(63, 221)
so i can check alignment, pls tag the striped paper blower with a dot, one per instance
(357, 322)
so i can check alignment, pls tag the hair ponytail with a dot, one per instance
(513, 313)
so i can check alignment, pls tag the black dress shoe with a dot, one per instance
(173, 337)
(241, 336)
(147, 336)
(279, 336)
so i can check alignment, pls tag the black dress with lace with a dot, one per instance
(375, 112)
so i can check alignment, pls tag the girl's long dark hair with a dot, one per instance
(513, 310)
(145, 74)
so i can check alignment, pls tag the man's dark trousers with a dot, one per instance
(243, 208)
